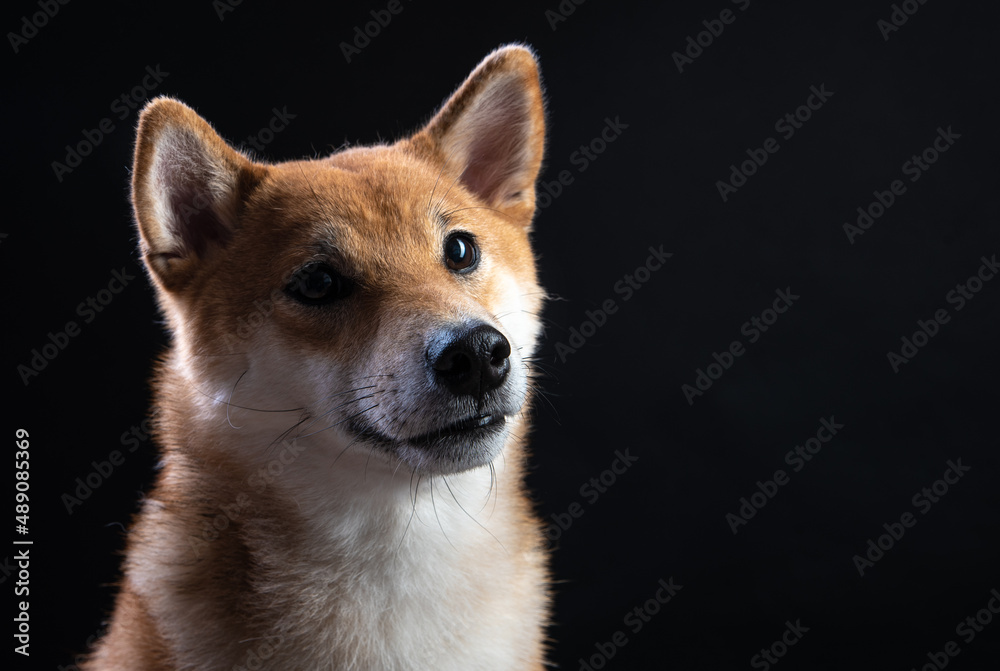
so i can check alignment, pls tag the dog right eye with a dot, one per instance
(317, 284)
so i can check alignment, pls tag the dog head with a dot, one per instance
(383, 297)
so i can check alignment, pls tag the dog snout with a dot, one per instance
(470, 361)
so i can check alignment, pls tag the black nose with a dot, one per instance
(470, 362)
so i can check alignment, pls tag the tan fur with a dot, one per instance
(275, 538)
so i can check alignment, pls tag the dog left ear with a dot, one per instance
(490, 134)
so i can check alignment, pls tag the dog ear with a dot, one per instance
(187, 188)
(490, 134)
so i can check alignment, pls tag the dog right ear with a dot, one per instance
(187, 189)
(490, 134)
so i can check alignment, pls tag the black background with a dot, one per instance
(654, 185)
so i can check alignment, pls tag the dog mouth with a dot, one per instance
(476, 427)
(470, 430)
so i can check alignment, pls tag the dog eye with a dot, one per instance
(460, 252)
(317, 284)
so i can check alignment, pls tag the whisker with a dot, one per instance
(450, 187)
(476, 207)
(335, 424)
(493, 479)
(350, 391)
(471, 517)
(440, 526)
(346, 448)
(243, 407)
(284, 434)
(412, 513)
(544, 395)
(230, 400)
(496, 489)
(371, 451)
(430, 198)
(368, 377)
(341, 405)
(409, 414)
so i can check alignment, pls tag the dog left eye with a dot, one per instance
(317, 284)
(460, 252)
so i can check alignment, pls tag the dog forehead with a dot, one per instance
(362, 202)
(361, 185)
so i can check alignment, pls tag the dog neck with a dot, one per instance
(331, 549)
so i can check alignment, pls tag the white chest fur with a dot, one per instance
(379, 570)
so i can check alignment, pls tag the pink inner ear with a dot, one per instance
(497, 137)
(183, 179)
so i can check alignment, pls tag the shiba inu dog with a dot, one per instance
(341, 485)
